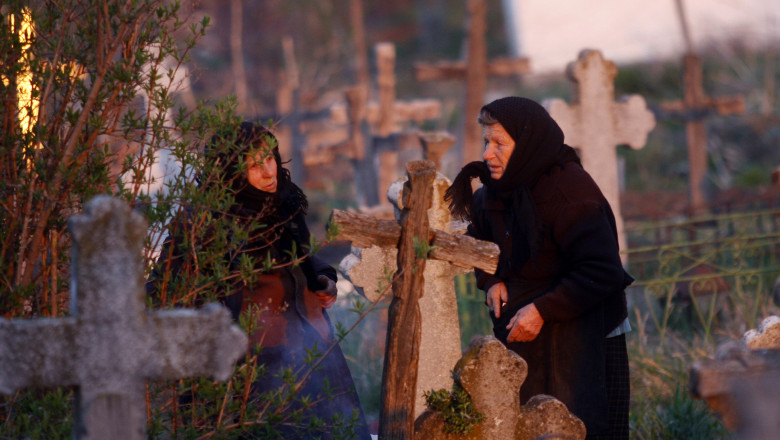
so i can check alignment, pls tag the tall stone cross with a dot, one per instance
(474, 70)
(375, 131)
(110, 345)
(595, 124)
(434, 338)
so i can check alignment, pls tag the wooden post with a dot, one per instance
(399, 381)
(474, 71)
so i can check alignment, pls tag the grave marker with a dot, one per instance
(440, 343)
(694, 108)
(594, 123)
(474, 71)
(110, 345)
(375, 135)
(404, 329)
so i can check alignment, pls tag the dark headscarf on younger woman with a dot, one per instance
(280, 214)
(538, 148)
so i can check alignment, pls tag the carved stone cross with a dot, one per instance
(474, 71)
(110, 345)
(401, 395)
(595, 124)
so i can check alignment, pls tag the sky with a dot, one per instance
(552, 32)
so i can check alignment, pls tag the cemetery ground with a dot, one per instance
(681, 310)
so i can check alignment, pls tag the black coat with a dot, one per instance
(575, 279)
(290, 329)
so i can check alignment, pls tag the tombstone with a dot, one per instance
(110, 345)
(595, 124)
(492, 375)
(440, 341)
(474, 71)
(742, 382)
(365, 231)
(766, 336)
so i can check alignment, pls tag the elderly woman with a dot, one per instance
(557, 298)
(289, 328)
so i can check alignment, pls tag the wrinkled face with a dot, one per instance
(261, 170)
(498, 149)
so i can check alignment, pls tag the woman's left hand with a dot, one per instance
(327, 295)
(525, 325)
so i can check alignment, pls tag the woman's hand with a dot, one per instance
(329, 294)
(497, 296)
(525, 325)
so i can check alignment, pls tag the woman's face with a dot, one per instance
(261, 170)
(499, 146)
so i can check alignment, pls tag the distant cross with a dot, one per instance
(694, 108)
(400, 375)
(375, 131)
(474, 70)
(696, 105)
(110, 345)
(595, 124)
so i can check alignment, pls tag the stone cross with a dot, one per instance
(492, 375)
(595, 124)
(474, 71)
(439, 345)
(110, 345)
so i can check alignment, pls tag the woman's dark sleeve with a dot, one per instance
(585, 234)
(476, 229)
(312, 265)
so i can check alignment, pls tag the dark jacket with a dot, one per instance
(289, 328)
(575, 279)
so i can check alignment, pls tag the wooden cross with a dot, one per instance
(375, 134)
(694, 108)
(595, 124)
(110, 345)
(399, 379)
(474, 70)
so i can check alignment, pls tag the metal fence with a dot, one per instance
(704, 273)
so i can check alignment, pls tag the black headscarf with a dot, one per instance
(538, 148)
(274, 210)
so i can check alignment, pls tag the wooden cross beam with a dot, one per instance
(694, 108)
(474, 70)
(399, 382)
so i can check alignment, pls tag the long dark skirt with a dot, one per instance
(325, 404)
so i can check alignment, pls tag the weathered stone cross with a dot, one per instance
(595, 124)
(439, 328)
(110, 345)
(474, 71)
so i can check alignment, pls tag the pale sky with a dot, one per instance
(552, 32)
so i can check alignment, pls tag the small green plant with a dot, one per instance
(456, 409)
(677, 417)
